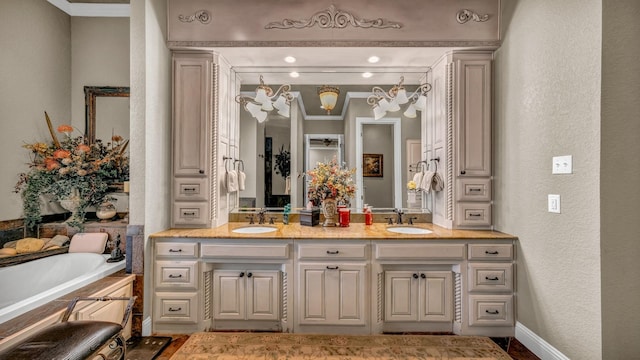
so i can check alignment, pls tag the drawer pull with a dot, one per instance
(333, 252)
(492, 312)
(189, 189)
(174, 310)
(475, 189)
(332, 267)
(475, 214)
(171, 276)
(175, 251)
(492, 278)
(188, 213)
(491, 252)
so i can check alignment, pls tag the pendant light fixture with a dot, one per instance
(328, 97)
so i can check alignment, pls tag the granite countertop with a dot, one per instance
(354, 231)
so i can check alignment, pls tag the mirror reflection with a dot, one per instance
(350, 133)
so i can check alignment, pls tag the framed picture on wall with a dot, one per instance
(372, 165)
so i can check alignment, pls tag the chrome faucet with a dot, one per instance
(399, 214)
(261, 216)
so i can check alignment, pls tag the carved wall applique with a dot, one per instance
(201, 15)
(333, 18)
(465, 15)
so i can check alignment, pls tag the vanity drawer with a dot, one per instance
(491, 310)
(190, 189)
(329, 251)
(491, 277)
(176, 249)
(176, 307)
(473, 214)
(470, 189)
(490, 252)
(246, 251)
(190, 213)
(176, 274)
(419, 252)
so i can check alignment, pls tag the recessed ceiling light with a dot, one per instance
(290, 59)
(373, 59)
(294, 74)
(367, 75)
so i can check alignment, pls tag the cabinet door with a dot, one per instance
(436, 296)
(263, 294)
(401, 296)
(192, 93)
(229, 294)
(332, 294)
(474, 117)
(112, 311)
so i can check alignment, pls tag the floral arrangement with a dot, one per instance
(411, 185)
(283, 162)
(71, 168)
(329, 180)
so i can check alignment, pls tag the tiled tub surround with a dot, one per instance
(116, 284)
(34, 283)
(358, 280)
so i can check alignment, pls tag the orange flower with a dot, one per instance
(65, 129)
(61, 154)
(51, 164)
(83, 148)
(116, 138)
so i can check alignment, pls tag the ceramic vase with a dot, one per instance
(72, 204)
(330, 212)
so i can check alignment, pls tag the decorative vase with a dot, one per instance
(72, 204)
(330, 212)
(106, 211)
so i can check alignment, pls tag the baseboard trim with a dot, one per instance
(146, 327)
(537, 345)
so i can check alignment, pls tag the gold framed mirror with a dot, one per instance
(91, 94)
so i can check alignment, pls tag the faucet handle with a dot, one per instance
(411, 218)
(250, 217)
(389, 220)
(271, 220)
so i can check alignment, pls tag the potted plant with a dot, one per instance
(72, 172)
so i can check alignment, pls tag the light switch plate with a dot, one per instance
(562, 164)
(554, 203)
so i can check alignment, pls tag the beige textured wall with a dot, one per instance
(620, 179)
(100, 57)
(35, 76)
(547, 103)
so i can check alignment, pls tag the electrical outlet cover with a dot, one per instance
(554, 203)
(562, 164)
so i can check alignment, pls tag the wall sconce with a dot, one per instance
(390, 101)
(328, 97)
(266, 100)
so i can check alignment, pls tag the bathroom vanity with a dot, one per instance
(358, 280)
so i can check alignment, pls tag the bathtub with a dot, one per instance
(25, 286)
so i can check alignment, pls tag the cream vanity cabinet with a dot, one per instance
(332, 286)
(417, 296)
(250, 283)
(178, 287)
(192, 123)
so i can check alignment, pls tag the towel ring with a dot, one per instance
(437, 160)
(240, 162)
(226, 163)
(420, 163)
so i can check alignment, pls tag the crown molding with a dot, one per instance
(92, 10)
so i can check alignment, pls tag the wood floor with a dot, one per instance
(513, 347)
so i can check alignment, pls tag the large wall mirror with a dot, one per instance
(106, 112)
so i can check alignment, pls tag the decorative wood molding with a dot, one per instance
(449, 183)
(333, 18)
(201, 15)
(465, 15)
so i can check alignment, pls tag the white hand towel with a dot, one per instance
(241, 180)
(232, 181)
(417, 178)
(437, 183)
(425, 184)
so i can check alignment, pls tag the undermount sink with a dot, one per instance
(254, 229)
(410, 230)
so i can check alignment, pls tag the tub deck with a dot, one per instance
(54, 309)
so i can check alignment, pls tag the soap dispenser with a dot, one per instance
(368, 216)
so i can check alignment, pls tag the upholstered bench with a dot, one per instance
(74, 340)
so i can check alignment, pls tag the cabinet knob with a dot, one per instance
(462, 172)
(249, 274)
(201, 171)
(241, 274)
(415, 276)
(423, 276)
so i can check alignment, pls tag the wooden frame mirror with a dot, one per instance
(90, 95)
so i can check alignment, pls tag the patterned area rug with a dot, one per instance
(280, 346)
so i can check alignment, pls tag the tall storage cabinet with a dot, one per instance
(460, 121)
(192, 123)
